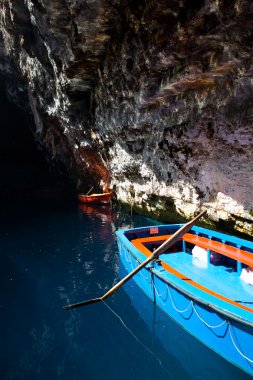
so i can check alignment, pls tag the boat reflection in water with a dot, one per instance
(106, 218)
(185, 351)
(103, 212)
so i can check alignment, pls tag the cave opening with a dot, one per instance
(25, 173)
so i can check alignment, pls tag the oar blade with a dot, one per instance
(83, 303)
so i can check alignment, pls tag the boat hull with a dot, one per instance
(95, 198)
(228, 337)
(182, 349)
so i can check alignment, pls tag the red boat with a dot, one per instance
(95, 198)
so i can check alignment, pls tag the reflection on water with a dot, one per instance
(52, 256)
(105, 212)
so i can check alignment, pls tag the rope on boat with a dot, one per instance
(205, 323)
(167, 289)
(128, 256)
(180, 311)
(174, 306)
(140, 272)
(187, 308)
(130, 261)
(155, 288)
(235, 346)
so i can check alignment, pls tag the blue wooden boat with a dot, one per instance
(203, 282)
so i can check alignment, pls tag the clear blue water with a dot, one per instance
(51, 256)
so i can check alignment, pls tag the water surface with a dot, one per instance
(53, 255)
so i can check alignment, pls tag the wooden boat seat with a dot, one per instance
(222, 248)
(221, 282)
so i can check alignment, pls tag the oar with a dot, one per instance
(161, 249)
(89, 191)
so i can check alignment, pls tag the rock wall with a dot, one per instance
(154, 98)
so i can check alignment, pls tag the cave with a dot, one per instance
(25, 172)
(100, 79)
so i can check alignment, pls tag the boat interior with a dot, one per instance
(211, 260)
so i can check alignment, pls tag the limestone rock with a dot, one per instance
(153, 97)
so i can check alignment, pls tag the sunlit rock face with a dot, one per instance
(154, 98)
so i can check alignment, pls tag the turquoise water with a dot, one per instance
(53, 255)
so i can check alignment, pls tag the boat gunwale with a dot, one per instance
(224, 249)
(221, 235)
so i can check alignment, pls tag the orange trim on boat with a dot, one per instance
(222, 248)
(138, 243)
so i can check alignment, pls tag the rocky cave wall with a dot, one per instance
(154, 98)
